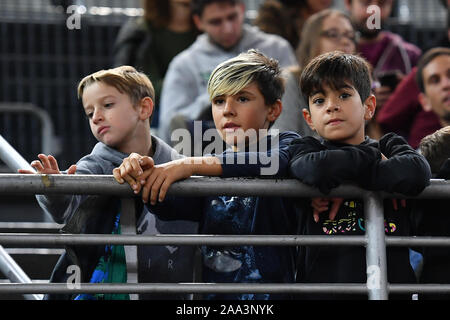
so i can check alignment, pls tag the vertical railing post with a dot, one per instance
(128, 227)
(376, 247)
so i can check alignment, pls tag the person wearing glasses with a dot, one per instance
(325, 31)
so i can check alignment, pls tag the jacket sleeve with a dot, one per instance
(61, 207)
(273, 162)
(405, 171)
(314, 164)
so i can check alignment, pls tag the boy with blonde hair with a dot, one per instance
(245, 92)
(337, 87)
(118, 103)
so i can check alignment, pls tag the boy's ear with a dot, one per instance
(370, 105)
(307, 117)
(146, 108)
(425, 102)
(275, 111)
(198, 22)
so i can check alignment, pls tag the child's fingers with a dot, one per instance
(44, 160)
(164, 188)
(335, 205)
(148, 186)
(146, 163)
(117, 176)
(53, 163)
(394, 203)
(25, 171)
(131, 181)
(36, 164)
(72, 169)
(155, 189)
(403, 203)
(316, 216)
(125, 168)
(320, 204)
(135, 167)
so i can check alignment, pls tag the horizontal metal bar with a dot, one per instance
(254, 240)
(419, 288)
(218, 240)
(184, 288)
(343, 288)
(418, 241)
(194, 186)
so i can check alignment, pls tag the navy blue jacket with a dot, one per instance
(248, 216)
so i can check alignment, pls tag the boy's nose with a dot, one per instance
(228, 108)
(97, 116)
(332, 106)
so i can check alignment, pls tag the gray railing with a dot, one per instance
(375, 240)
(47, 130)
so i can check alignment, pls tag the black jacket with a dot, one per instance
(433, 219)
(326, 165)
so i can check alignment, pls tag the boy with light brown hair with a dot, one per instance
(118, 104)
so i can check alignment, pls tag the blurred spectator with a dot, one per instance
(323, 32)
(184, 97)
(150, 42)
(402, 113)
(433, 78)
(287, 17)
(390, 55)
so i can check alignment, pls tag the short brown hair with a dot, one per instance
(125, 79)
(436, 148)
(335, 69)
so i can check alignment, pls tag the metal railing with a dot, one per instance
(374, 240)
(47, 130)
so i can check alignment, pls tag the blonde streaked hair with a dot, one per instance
(232, 76)
(125, 79)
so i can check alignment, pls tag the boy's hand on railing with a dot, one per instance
(47, 165)
(162, 176)
(395, 205)
(134, 170)
(322, 204)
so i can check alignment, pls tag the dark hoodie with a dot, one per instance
(326, 165)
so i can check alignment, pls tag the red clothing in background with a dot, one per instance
(403, 114)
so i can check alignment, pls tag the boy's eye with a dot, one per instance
(318, 100)
(108, 105)
(89, 115)
(218, 101)
(345, 95)
(243, 99)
